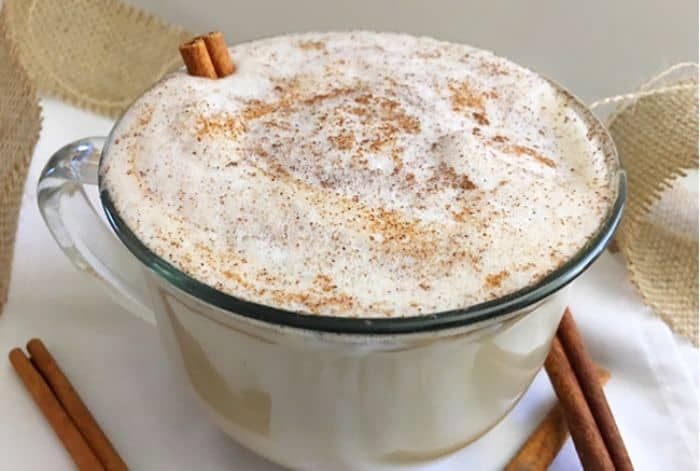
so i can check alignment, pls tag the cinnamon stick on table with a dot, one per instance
(587, 438)
(545, 442)
(586, 374)
(207, 56)
(74, 406)
(83, 456)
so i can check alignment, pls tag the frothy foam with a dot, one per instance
(360, 174)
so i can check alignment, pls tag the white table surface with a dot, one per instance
(116, 363)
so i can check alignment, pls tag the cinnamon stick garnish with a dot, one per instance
(196, 58)
(218, 52)
(587, 439)
(545, 442)
(74, 406)
(81, 453)
(586, 374)
(207, 56)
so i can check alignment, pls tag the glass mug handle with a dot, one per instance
(78, 230)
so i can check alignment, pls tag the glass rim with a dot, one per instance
(459, 317)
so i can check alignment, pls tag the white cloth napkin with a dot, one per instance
(116, 363)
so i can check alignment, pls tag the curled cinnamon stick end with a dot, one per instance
(545, 442)
(196, 57)
(207, 56)
(218, 52)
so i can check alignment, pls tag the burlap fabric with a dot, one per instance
(97, 54)
(101, 54)
(20, 120)
(656, 133)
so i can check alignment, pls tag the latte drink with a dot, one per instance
(360, 175)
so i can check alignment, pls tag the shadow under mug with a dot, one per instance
(319, 392)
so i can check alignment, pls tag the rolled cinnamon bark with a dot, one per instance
(586, 374)
(545, 442)
(75, 407)
(81, 453)
(584, 431)
(218, 52)
(196, 58)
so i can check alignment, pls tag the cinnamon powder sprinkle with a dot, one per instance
(464, 97)
(343, 141)
(456, 180)
(312, 45)
(481, 118)
(522, 150)
(495, 280)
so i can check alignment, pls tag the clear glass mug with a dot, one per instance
(316, 392)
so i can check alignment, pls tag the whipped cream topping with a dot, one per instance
(360, 174)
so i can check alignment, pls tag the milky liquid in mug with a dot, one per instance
(360, 175)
